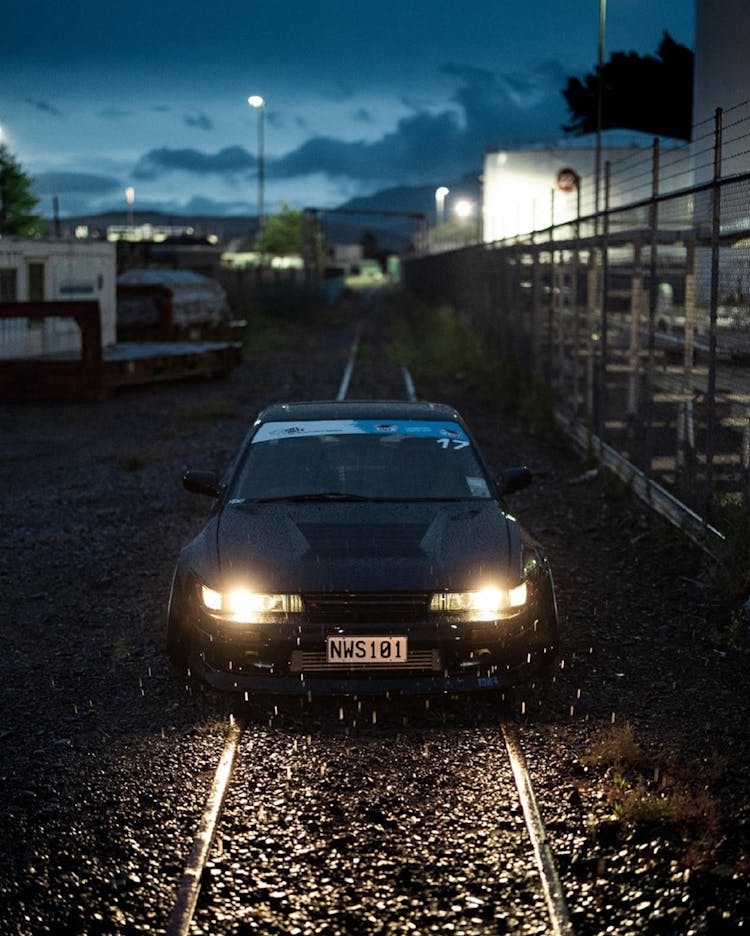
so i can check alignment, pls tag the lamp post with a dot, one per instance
(599, 106)
(256, 101)
(440, 194)
(130, 199)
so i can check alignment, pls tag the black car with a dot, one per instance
(361, 547)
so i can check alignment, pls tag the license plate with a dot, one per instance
(364, 650)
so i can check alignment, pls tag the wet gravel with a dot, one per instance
(385, 817)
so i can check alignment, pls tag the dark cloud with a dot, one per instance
(362, 115)
(226, 162)
(489, 108)
(513, 107)
(44, 107)
(200, 121)
(75, 183)
(420, 143)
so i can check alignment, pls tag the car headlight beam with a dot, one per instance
(245, 606)
(483, 604)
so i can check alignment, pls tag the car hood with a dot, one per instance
(368, 546)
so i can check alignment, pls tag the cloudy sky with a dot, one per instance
(98, 96)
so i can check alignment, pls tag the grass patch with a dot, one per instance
(284, 316)
(731, 571)
(641, 788)
(440, 341)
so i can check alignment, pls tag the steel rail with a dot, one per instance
(545, 862)
(347, 376)
(190, 885)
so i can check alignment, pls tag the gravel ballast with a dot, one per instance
(389, 816)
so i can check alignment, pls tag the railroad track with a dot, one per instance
(309, 781)
(461, 791)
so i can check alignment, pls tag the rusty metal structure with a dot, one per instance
(95, 371)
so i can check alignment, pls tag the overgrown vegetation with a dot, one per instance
(440, 341)
(731, 515)
(277, 318)
(643, 788)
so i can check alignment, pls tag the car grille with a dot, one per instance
(364, 607)
(315, 662)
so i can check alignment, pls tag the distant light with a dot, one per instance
(463, 208)
(441, 191)
(255, 100)
(130, 194)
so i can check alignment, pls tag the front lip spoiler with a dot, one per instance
(331, 686)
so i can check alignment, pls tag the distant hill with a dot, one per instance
(390, 217)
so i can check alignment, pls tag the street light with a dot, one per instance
(463, 208)
(256, 101)
(440, 194)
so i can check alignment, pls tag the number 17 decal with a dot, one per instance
(453, 444)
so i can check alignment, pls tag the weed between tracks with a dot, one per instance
(643, 789)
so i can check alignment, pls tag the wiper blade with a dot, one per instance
(319, 496)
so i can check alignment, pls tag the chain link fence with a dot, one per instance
(637, 315)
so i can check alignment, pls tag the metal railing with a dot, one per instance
(638, 316)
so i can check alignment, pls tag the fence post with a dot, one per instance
(604, 341)
(713, 310)
(653, 294)
(634, 349)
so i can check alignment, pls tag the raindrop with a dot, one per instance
(578, 693)
(323, 769)
(288, 772)
(613, 718)
(523, 707)
(572, 710)
(374, 717)
(426, 703)
(341, 713)
(247, 696)
(75, 708)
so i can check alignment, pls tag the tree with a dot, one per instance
(291, 233)
(650, 94)
(16, 201)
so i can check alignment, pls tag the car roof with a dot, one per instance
(358, 409)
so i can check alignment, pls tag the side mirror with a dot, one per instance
(201, 482)
(514, 479)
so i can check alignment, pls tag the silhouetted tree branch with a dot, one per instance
(650, 94)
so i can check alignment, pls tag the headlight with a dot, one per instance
(247, 607)
(482, 605)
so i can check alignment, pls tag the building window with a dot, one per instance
(8, 285)
(36, 282)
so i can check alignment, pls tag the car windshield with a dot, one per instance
(363, 459)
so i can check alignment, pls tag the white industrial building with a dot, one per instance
(49, 270)
(528, 190)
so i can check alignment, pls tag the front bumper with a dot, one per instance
(444, 657)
